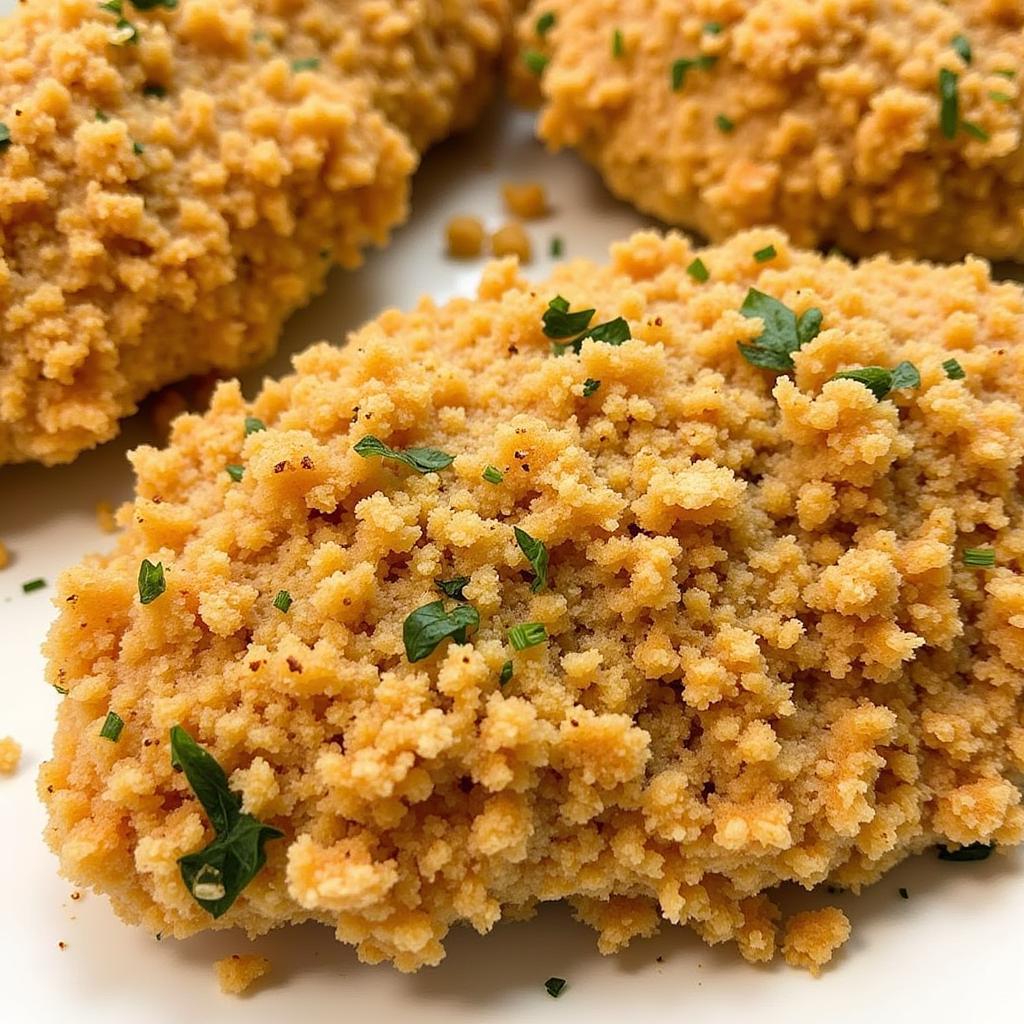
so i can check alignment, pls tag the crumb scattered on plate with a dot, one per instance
(526, 200)
(10, 755)
(813, 937)
(465, 237)
(238, 972)
(511, 239)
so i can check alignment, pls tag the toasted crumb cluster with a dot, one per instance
(824, 118)
(527, 200)
(238, 972)
(10, 755)
(166, 201)
(465, 237)
(813, 937)
(766, 660)
(511, 239)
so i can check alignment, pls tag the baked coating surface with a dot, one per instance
(165, 203)
(831, 115)
(766, 659)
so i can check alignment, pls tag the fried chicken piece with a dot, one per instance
(178, 179)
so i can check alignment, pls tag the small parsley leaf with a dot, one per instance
(698, 270)
(880, 381)
(5, 137)
(949, 100)
(765, 254)
(527, 634)
(112, 726)
(537, 554)
(506, 673)
(683, 65)
(535, 62)
(545, 23)
(783, 332)
(305, 64)
(590, 386)
(429, 624)
(492, 475)
(453, 588)
(253, 425)
(235, 471)
(555, 987)
(151, 581)
(962, 45)
(283, 601)
(423, 460)
(618, 44)
(560, 323)
(954, 371)
(724, 124)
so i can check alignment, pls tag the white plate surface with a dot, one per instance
(952, 949)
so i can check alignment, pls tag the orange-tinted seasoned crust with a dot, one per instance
(820, 116)
(165, 203)
(766, 659)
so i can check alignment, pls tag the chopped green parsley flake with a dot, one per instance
(765, 254)
(423, 460)
(235, 471)
(102, 116)
(492, 475)
(545, 23)
(283, 601)
(904, 895)
(954, 371)
(148, 5)
(506, 673)
(30, 585)
(784, 333)
(453, 588)
(527, 634)
(590, 386)
(151, 581)
(560, 323)
(555, 987)
(713, 28)
(962, 45)
(125, 33)
(973, 851)
(152, 89)
(881, 381)
(683, 65)
(306, 64)
(112, 727)
(253, 425)
(557, 248)
(1000, 97)
(976, 130)
(618, 43)
(537, 554)
(5, 137)
(1005, 72)
(980, 558)
(949, 100)
(429, 624)
(138, 148)
(535, 62)
(61, 690)
(698, 271)
(216, 874)
(724, 124)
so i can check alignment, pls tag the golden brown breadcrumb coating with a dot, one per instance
(824, 118)
(765, 659)
(177, 181)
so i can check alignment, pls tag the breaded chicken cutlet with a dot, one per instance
(874, 126)
(176, 176)
(647, 588)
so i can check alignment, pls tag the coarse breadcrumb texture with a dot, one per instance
(766, 659)
(10, 755)
(165, 203)
(832, 116)
(238, 972)
(813, 937)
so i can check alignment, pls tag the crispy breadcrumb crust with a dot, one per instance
(240, 971)
(832, 116)
(766, 659)
(164, 204)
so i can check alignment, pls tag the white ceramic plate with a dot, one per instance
(950, 949)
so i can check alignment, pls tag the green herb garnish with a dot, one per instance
(216, 874)
(1000, 97)
(305, 64)
(535, 62)
(138, 148)
(235, 471)
(962, 45)
(283, 601)
(555, 987)
(1005, 72)
(618, 43)
(904, 895)
(979, 558)
(492, 475)
(453, 588)
(724, 124)
(253, 425)
(545, 23)
(975, 130)
(29, 585)
(102, 116)
(560, 323)
(765, 254)
(784, 333)
(5, 137)
(148, 5)
(880, 381)
(152, 89)
(151, 581)
(506, 673)
(973, 851)
(112, 726)
(423, 460)
(527, 634)
(557, 247)
(698, 271)
(537, 554)
(954, 371)
(949, 99)
(429, 624)
(590, 386)
(683, 65)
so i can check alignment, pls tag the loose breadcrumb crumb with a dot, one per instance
(105, 517)
(5, 556)
(465, 237)
(238, 972)
(813, 937)
(512, 240)
(527, 200)
(10, 755)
